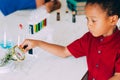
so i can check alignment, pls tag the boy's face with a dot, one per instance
(97, 20)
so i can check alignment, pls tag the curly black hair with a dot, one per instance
(111, 6)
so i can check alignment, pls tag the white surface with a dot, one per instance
(42, 65)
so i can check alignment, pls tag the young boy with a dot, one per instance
(101, 45)
(7, 6)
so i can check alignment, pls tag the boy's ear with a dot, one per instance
(114, 19)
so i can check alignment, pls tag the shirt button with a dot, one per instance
(93, 79)
(97, 65)
(99, 51)
(101, 40)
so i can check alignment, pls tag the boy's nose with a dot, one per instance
(89, 24)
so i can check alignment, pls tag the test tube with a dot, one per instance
(73, 17)
(58, 15)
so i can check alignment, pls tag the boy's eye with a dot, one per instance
(93, 20)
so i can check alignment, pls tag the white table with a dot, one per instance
(48, 67)
(43, 65)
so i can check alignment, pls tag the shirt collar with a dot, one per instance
(109, 38)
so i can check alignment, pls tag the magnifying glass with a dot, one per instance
(16, 54)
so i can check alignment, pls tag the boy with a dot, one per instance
(7, 6)
(101, 45)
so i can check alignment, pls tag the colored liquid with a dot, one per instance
(9, 44)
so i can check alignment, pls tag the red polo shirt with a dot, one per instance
(103, 54)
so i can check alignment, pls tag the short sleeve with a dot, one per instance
(7, 6)
(79, 47)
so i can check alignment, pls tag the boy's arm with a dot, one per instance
(54, 49)
(115, 77)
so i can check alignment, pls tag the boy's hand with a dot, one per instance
(28, 44)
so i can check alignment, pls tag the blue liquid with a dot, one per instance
(9, 44)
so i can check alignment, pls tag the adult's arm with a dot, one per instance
(7, 6)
